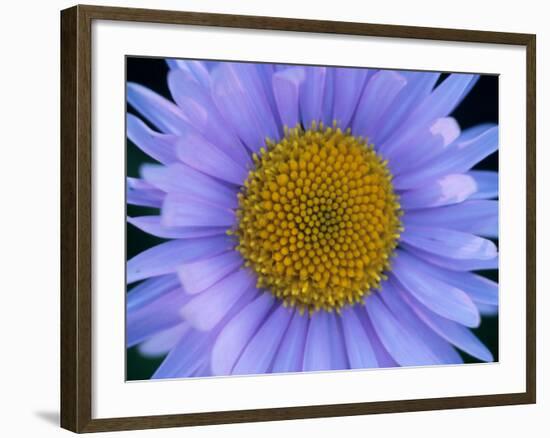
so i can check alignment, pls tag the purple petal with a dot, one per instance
(439, 103)
(140, 193)
(487, 309)
(192, 355)
(207, 309)
(196, 103)
(265, 73)
(449, 189)
(418, 86)
(405, 350)
(203, 370)
(200, 275)
(324, 348)
(149, 290)
(237, 333)
(202, 155)
(442, 298)
(161, 112)
(184, 179)
(181, 210)
(359, 349)
(311, 95)
(260, 351)
(153, 226)
(239, 95)
(449, 243)
(339, 358)
(348, 87)
(154, 317)
(138, 184)
(455, 333)
(328, 97)
(317, 352)
(471, 85)
(286, 88)
(486, 182)
(290, 355)
(169, 256)
(441, 349)
(377, 97)
(197, 69)
(453, 264)
(161, 147)
(470, 148)
(384, 359)
(189, 354)
(476, 217)
(163, 342)
(480, 289)
(429, 144)
(475, 131)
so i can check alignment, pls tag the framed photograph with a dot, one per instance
(268, 218)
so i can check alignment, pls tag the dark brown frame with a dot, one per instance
(76, 225)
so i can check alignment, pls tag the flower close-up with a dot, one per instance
(309, 218)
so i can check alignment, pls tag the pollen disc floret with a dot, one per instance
(318, 219)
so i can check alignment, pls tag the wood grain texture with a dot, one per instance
(531, 216)
(76, 253)
(69, 326)
(76, 223)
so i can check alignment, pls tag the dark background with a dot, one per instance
(480, 106)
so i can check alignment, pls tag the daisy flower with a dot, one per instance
(315, 218)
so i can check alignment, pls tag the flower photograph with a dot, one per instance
(295, 218)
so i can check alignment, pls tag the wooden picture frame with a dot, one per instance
(76, 217)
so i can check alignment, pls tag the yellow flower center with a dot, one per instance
(318, 219)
